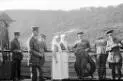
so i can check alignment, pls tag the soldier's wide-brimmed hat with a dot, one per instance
(109, 31)
(35, 28)
(17, 33)
(80, 33)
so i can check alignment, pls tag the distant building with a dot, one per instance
(5, 20)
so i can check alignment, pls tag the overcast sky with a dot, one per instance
(55, 4)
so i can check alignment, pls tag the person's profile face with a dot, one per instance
(43, 38)
(63, 37)
(36, 32)
(17, 36)
(58, 39)
(110, 35)
(80, 36)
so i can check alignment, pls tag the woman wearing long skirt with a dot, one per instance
(59, 59)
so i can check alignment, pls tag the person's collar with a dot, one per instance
(110, 37)
(81, 40)
(15, 39)
(35, 37)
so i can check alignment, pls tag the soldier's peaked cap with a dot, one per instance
(80, 33)
(34, 28)
(43, 35)
(110, 31)
(16, 33)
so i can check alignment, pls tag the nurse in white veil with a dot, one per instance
(56, 68)
(64, 57)
(59, 59)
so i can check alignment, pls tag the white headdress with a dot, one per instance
(54, 42)
(27, 43)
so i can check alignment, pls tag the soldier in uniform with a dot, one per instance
(81, 49)
(37, 54)
(114, 56)
(16, 57)
(100, 46)
(43, 46)
(43, 37)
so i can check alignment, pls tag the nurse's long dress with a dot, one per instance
(59, 69)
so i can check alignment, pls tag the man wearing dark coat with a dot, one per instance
(43, 46)
(37, 55)
(16, 57)
(81, 49)
(100, 46)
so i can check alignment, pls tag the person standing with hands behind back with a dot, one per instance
(16, 57)
(100, 46)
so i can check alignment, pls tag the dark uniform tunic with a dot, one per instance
(82, 58)
(43, 50)
(37, 48)
(101, 57)
(16, 58)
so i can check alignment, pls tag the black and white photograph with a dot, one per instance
(61, 40)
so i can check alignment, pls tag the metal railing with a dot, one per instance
(92, 54)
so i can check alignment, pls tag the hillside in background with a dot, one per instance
(91, 20)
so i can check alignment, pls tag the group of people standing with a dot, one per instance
(107, 50)
(37, 48)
